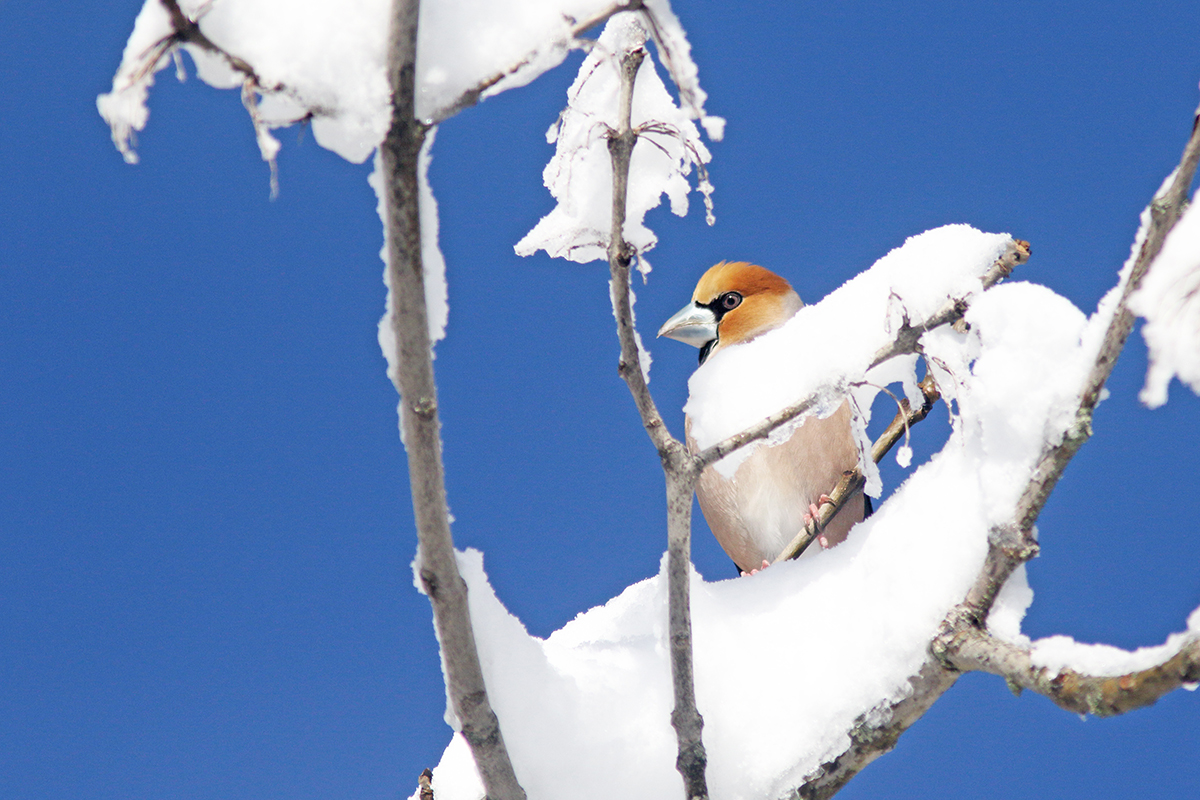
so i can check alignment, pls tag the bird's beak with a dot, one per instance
(694, 325)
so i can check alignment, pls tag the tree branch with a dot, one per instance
(971, 649)
(677, 464)
(1014, 544)
(473, 95)
(870, 738)
(907, 341)
(852, 481)
(438, 567)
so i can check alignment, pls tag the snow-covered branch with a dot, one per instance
(477, 92)
(906, 340)
(1175, 664)
(1016, 543)
(163, 28)
(876, 732)
(436, 563)
(963, 641)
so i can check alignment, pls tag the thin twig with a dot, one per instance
(681, 477)
(187, 31)
(473, 95)
(852, 481)
(437, 563)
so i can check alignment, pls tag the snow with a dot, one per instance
(125, 108)
(1014, 599)
(788, 661)
(831, 343)
(432, 262)
(1169, 299)
(579, 175)
(326, 61)
(1056, 653)
(462, 43)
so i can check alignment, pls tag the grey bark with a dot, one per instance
(438, 568)
(681, 480)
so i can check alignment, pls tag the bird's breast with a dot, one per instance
(756, 512)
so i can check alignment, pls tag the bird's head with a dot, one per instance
(733, 303)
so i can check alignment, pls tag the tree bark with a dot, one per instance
(437, 564)
(680, 474)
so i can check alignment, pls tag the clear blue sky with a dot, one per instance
(205, 530)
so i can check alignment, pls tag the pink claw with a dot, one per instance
(765, 564)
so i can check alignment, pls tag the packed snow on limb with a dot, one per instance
(829, 344)
(325, 61)
(788, 660)
(1169, 299)
(432, 262)
(124, 109)
(579, 175)
(1056, 653)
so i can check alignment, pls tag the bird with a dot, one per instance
(755, 513)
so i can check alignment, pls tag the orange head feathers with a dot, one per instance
(733, 302)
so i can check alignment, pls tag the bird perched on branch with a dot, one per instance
(758, 511)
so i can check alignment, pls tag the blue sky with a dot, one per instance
(204, 527)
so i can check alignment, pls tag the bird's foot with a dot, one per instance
(765, 564)
(814, 509)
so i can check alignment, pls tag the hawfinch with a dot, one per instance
(764, 505)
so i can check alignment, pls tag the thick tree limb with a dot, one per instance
(907, 341)
(852, 481)
(685, 718)
(870, 738)
(970, 648)
(1016, 543)
(1013, 544)
(438, 567)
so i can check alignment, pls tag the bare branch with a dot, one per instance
(852, 481)
(907, 341)
(438, 567)
(677, 464)
(970, 648)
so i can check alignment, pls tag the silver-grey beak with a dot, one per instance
(694, 325)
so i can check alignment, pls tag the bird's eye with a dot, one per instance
(730, 300)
